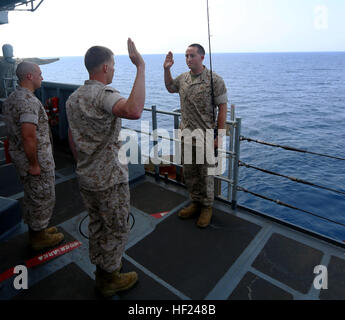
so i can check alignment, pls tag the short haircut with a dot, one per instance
(200, 48)
(24, 68)
(97, 56)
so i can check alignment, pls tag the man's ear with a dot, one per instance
(105, 68)
(29, 76)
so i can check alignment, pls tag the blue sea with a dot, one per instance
(292, 99)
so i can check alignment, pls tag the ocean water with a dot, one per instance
(293, 99)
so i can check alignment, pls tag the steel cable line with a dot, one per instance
(289, 148)
(290, 178)
(288, 205)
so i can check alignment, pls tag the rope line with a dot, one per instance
(289, 148)
(288, 205)
(290, 178)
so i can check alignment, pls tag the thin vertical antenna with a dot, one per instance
(209, 36)
(210, 53)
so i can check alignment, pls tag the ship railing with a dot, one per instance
(9, 85)
(231, 153)
(291, 178)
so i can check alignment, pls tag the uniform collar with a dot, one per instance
(88, 82)
(203, 76)
(25, 90)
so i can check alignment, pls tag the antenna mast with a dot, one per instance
(209, 35)
(210, 53)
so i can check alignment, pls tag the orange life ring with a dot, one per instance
(52, 110)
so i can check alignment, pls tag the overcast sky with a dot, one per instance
(69, 27)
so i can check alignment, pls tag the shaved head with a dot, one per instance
(199, 47)
(29, 75)
(25, 68)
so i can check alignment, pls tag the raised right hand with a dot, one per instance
(134, 55)
(169, 61)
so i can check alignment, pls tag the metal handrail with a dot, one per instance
(239, 188)
(294, 179)
(164, 112)
(233, 154)
(230, 154)
(165, 161)
(289, 148)
(289, 206)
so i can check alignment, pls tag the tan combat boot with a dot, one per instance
(44, 239)
(109, 283)
(51, 230)
(205, 217)
(190, 211)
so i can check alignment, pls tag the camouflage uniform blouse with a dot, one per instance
(95, 132)
(196, 99)
(22, 106)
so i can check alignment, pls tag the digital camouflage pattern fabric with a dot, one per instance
(95, 132)
(20, 107)
(197, 114)
(39, 191)
(196, 99)
(39, 199)
(108, 225)
(103, 180)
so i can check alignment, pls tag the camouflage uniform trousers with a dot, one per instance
(199, 183)
(108, 224)
(39, 199)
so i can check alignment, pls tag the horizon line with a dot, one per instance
(239, 52)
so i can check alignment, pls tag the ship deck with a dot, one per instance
(240, 256)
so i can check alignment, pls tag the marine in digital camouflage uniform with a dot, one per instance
(94, 113)
(198, 113)
(103, 180)
(31, 151)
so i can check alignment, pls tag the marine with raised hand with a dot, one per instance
(94, 114)
(198, 111)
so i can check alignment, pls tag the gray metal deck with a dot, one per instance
(240, 256)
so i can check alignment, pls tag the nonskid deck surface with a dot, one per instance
(240, 256)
